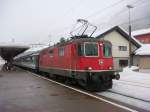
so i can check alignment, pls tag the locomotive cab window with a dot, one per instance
(61, 51)
(81, 49)
(51, 53)
(107, 50)
(88, 49)
(91, 49)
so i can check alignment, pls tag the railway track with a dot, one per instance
(127, 99)
(94, 95)
(72, 85)
(80, 90)
(128, 96)
(132, 83)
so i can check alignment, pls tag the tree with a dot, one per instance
(62, 40)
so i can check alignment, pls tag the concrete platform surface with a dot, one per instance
(20, 91)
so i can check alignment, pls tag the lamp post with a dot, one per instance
(130, 49)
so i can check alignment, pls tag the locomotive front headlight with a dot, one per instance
(89, 68)
(110, 68)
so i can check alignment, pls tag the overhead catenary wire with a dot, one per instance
(136, 3)
(110, 6)
(104, 9)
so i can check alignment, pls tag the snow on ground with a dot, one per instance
(1, 61)
(140, 104)
(129, 75)
(133, 84)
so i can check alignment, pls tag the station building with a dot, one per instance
(120, 45)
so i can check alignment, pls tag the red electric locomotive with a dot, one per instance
(83, 59)
(87, 60)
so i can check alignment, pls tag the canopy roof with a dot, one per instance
(8, 52)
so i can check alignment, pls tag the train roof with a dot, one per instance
(9, 51)
(32, 51)
(79, 39)
(76, 39)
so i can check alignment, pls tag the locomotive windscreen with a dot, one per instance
(107, 50)
(88, 49)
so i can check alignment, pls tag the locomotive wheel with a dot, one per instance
(106, 85)
(92, 84)
(89, 84)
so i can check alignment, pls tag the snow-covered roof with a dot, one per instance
(120, 29)
(101, 31)
(31, 51)
(137, 41)
(14, 45)
(143, 50)
(36, 48)
(141, 32)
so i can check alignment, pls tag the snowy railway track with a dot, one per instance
(127, 99)
(132, 83)
(133, 101)
(93, 95)
(128, 96)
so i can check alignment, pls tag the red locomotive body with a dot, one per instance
(87, 60)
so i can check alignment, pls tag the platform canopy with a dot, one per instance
(9, 51)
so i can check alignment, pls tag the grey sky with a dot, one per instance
(42, 21)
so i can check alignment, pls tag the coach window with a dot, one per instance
(61, 51)
(51, 53)
(107, 50)
(33, 59)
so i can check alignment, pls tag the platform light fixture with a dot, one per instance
(130, 49)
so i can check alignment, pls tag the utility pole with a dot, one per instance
(130, 47)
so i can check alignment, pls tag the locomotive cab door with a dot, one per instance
(74, 59)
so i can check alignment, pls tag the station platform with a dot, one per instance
(21, 91)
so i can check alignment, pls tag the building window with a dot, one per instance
(122, 48)
(123, 63)
(61, 51)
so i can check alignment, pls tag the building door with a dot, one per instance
(123, 63)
